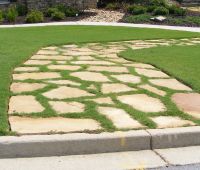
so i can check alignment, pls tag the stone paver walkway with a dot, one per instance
(88, 87)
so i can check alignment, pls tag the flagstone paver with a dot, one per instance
(90, 76)
(26, 87)
(64, 92)
(119, 117)
(143, 102)
(171, 122)
(170, 83)
(188, 102)
(116, 88)
(24, 104)
(67, 107)
(27, 125)
(96, 87)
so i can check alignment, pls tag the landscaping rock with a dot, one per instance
(114, 69)
(127, 78)
(153, 89)
(37, 62)
(151, 73)
(63, 67)
(26, 69)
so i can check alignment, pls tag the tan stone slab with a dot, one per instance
(67, 107)
(114, 69)
(24, 104)
(109, 56)
(37, 62)
(26, 69)
(61, 62)
(48, 52)
(36, 76)
(119, 60)
(50, 48)
(103, 100)
(51, 57)
(70, 46)
(93, 62)
(90, 76)
(116, 88)
(140, 65)
(170, 83)
(80, 58)
(119, 117)
(151, 73)
(188, 102)
(26, 125)
(26, 87)
(153, 89)
(78, 53)
(63, 67)
(63, 82)
(92, 87)
(171, 122)
(143, 102)
(127, 78)
(64, 92)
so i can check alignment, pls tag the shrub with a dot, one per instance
(177, 11)
(34, 17)
(138, 18)
(50, 11)
(61, 7)
(21, 9)
(136, 10)
(112, 6)
(57, 16)
(151, 8)
(71, 12)
(158, 3)
(11, 14)
(1, 16)
(161, 11)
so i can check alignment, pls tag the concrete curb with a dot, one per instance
(82, 143)
(178, 28)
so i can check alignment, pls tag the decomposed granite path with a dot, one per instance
(88, 88)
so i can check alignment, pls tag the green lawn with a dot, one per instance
(182, 62)
(18, 44)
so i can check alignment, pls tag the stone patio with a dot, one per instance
(89, 88)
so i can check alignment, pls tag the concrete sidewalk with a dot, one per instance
(158, 159)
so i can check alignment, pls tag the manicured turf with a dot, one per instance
(182, 62)
(18, 44)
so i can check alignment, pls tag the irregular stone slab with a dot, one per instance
(50, 48)
(27, 125)
(119, 117)
(24, 104)
(48, 52)
(78, 53)
(83, 58)
(103, 100)
(109, 56)
(113, 69)
(49, 57)
(26, 87)
(94, 62)
(36, 76)
(140, 65)
(119, 60)
(63, 82)
(61, 62)
(115, 88)
(90, 76)
(151, 73)
(170, 83)
(188, 102)
(92, 87)
(127, 78)
(63, 67)
(26, 69)
(143, 102)
(171, 122)
(37, 62)
(70, 46)
(67, 107)
(64, 92)
(153, 89)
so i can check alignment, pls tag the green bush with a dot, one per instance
(1, 16)
(138, 18)
(50, 11)
(35, 17)
(151, 8)
(112, 6)
(161, 11)
(11, 14)
(158, 3)
(21, 9)
(57, 16)
(61, 7)
(177, 11)
(137, 10)
(71, 12)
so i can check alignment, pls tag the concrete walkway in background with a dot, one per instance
(180, 28)
(158, 160)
